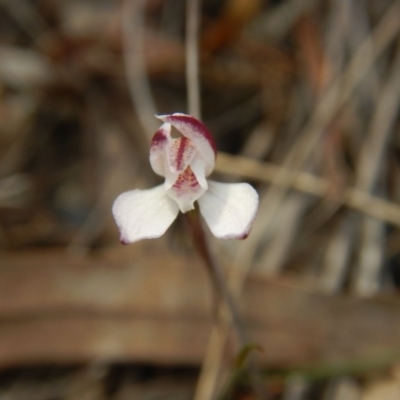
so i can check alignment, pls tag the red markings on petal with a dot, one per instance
(190, 127)
(159, 138)
(159, 143)
(181, 153)
(187, 178)
(186, 190)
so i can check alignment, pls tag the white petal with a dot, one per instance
(186, 195)
(144, 214)
(197, 133)
(180, 153)
(158, 149)
(229, 209)
(170, 178)
(199, 169)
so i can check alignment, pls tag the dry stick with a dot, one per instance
(371, 230)
(333, 101)
(276, 250)
(135, 67)
(329, 105)
(341, 242)
(293, 207)
(335, 98)
(368, 168)
(319, 74)
(132, 27)
(383, 119)
(360, 29)
(192, 57)
(305, 182)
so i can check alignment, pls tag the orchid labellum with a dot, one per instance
(228, 208)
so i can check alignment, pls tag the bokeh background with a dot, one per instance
(303, 99)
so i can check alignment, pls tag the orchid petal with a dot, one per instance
(199, 169)
(144, 214)
(159, 144)
(197, 133)
(185, 198)
(186, 190)
(170, 178)
(229, 209)
(180, 153)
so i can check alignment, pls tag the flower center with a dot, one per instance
(186, 180)
(186, 190)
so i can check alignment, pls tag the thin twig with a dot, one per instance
(332, 102)
(375, 144)
(327, 108)
(192, 57)
(135, 67)
(372, 154)
(342, 241)
(305, 182)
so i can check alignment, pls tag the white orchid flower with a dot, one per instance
(228, 208)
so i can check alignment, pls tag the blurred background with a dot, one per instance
(303, 99)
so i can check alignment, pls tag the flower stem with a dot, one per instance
(232, 316)
(216, 274)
